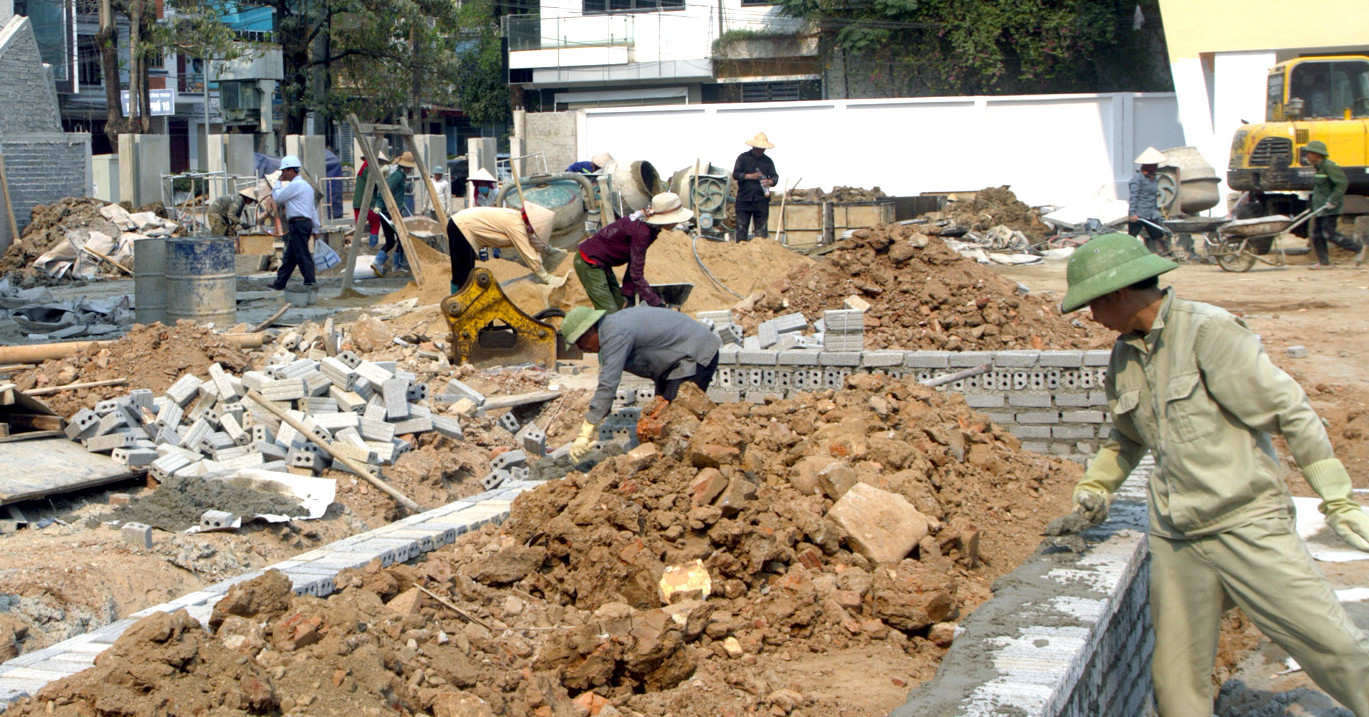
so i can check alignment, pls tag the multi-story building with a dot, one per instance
(598, 53)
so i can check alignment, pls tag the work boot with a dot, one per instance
(378, 264)
(401, 262)
(374, 240)
(1359, 258)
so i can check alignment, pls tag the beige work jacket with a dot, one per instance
(1199, 391)
(503, 228)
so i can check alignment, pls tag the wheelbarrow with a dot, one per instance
(674, 295)
(1239, 244)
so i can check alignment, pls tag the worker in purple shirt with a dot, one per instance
(625, 242)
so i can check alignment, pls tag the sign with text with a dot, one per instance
(162, 102)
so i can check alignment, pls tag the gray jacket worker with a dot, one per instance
(665, 346)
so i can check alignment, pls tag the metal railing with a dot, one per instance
(533, 32)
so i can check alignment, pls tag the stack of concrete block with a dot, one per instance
(843, 330)
(722, 324)
(200, 425)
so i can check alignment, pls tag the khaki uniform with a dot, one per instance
(1199, 391)
(501, 228)
(226, 214)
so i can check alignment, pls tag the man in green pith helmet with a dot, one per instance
(1328, 194)
(1191, 383)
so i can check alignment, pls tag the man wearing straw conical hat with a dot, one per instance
(226, 214)
(525, 230)
(755, 174)
(1143, 203)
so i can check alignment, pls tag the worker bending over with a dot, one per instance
(228, 214)
(526, 230)
(1192, 384)
(625, 242)
(665, 346)
(593, 165)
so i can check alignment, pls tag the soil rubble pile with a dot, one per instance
(47, 227)
(923, 296)
(691, 576)
(984, 210)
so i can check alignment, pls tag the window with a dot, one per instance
(770, 91)
(753, 3)
(597, 6)
(87, 61)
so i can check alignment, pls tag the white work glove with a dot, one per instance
(549, 278)
(1092, 504)
(1345, 516)
(583, 442)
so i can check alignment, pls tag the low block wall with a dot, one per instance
(1052, 401)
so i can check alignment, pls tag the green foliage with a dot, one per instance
(196, 29)
(965, 47)
(483, 95)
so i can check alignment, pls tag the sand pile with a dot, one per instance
(560, 611)
(743, 268)
(49, 225)
(987, 209)
(923, 295)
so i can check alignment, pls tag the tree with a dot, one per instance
(483, 93)
(969, 47)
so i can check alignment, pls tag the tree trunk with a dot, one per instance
(136, 88)
(107, 41)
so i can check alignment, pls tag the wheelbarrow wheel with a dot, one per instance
(1232, 255)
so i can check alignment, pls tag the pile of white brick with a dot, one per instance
(201, 425)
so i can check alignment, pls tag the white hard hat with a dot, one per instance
(290, 161)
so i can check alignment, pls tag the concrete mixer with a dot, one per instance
(570, 196)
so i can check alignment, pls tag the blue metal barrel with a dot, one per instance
(149, 280)
(201, 281)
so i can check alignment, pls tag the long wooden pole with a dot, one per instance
(428, 184)
(74, 386)
(37, 353)
(9, 206)
(390, 204)
(351, 464)
(363, 223)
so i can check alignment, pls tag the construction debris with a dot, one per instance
(79, 237)
(618, 591)
(922, 295)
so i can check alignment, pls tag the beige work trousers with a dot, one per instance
(1263, 568)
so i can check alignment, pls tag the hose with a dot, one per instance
(695, 247)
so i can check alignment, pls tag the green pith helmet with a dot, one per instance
(578, 321)
(1106, 263)
(1317, 146)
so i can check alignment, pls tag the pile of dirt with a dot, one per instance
(561, 612)
(743, 269)
(923, 295)
(150, 356)
(48, 226)
(838, 194)
(985, 210)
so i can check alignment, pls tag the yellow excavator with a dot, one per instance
(1309, 98)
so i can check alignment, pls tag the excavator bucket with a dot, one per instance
(489, 330)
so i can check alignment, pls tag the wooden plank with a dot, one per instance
(32, 422)
(521, 399)
(391, 204)
(422, 163)
(31, 435)
(256, 244)
(50, 466)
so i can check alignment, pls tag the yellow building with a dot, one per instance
(1220, 53)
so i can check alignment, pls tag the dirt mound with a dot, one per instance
(838, 194)
(49, 225)
(985, 210)
(560, 611)
(150, 356)
(742, 268)
(923, 295)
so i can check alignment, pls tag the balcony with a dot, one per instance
(536, 42)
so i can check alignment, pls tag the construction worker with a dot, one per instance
(1328, 194)
(525, 230)
(398, 182)
(359, 193)
(593, 165)
(1192, 384)
(1143, 201)
(444, 194)
(665, 346)
(295, 197)
(754, 173)
(228, 213)
(626, 241)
